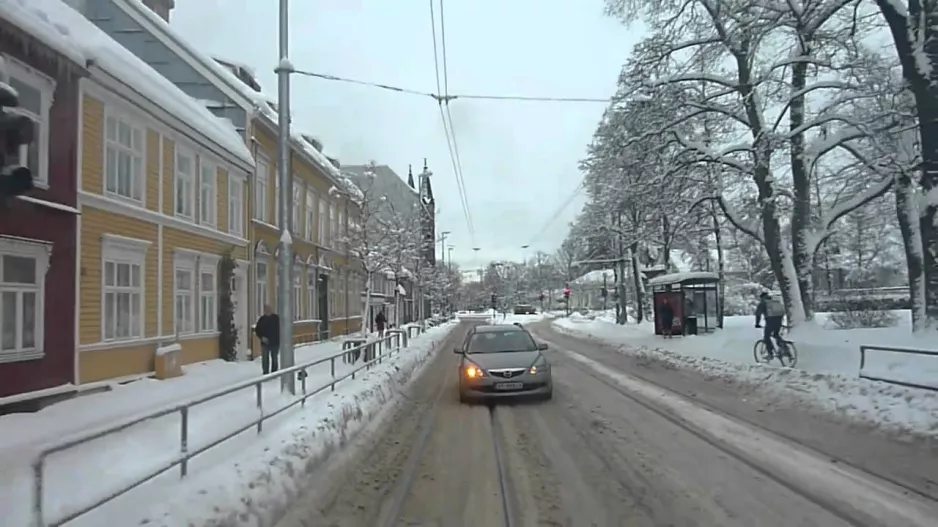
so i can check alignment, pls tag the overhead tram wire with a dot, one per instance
(460, 177)
(558, 212)
(452, 97)
(446, 130)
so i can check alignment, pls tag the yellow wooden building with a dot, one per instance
(326, 285)
(163, 188)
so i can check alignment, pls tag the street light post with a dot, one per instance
(285, 255)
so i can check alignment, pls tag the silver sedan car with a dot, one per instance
(503, 361)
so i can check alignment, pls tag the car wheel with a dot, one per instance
(549, 395)
(463, 398)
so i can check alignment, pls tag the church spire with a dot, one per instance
(410, 176)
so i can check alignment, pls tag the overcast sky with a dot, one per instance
(519, 159)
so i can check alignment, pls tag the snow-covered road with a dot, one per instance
(610, 449)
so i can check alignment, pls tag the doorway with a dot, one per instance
(323, 299)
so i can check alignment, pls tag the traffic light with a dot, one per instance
(15, 131)
(566, 293)
(494, 301)
(541, 297)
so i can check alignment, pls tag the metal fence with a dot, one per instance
(379, 349)
(909, 351)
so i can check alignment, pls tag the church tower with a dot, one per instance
(427, 215)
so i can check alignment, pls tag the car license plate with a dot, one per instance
(509, 386)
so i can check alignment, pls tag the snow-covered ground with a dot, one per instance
(248, 475)
(827, 374)
(500, 318)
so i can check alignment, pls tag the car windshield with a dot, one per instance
(501, 342)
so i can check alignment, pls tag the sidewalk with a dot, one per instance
(87, 472)
(25, 432)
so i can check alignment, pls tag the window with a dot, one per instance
(333, 226)
(35, 96)
(343, 230)
(122, 276)
(260, 285)
(297, 292)
(323, 222)
(208, 314)
(185, 183)
(501, 342)
(310, 211)
(123, 160)
(311, 303)
(262, 170)
(297, 226)
(331, 298)
(235, 205)
(276, 220)
(208, 174)
(22, 291)
(184, 288)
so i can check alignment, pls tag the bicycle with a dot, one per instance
(785, 350)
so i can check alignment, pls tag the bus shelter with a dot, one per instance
(693, 298)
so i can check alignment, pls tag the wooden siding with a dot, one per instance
(92, 146)
(94, 224)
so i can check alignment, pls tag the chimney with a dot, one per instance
(161, 7)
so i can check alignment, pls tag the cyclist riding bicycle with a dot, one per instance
(774, 313)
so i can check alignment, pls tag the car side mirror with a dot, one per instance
(457, 351)
(542, 346)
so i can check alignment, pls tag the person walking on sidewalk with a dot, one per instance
(380, 322)
(666, 312)
(267, 330)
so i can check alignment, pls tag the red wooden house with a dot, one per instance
(38, 230)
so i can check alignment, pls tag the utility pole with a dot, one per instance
(285, 257)
(605, 291)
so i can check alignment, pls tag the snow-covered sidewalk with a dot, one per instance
(247, 464)
(826, 377)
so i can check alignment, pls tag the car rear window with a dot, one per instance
(501, 342)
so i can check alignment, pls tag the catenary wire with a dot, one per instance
(446, 127)
(398, 89)
(460, 175)
(576, 192)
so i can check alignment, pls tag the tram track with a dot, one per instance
(844, 511)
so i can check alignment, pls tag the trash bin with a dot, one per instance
(167, 362)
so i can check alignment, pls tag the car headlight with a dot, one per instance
(473, 371)
(540, 365)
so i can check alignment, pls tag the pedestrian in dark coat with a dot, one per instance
(380, 322)
(267, 330)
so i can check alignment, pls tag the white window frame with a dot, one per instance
(185, 179)
(312, 300)
(261, 188)
(120, 250)
(333, 230)
(46, 88)
(323, 222)
(297, 227)
(343, 231)
(137, 156)
(40, 252)
(208, 209)
(297, 292)
(310, 214)
(208, 319)
(190, 324)
(261, 300)
(235, 205)
(276, 220)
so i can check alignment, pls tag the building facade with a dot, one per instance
(324, 279)
(162, 185)
(37, 230)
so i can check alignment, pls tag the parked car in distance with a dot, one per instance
(525, 309)
(500, 361)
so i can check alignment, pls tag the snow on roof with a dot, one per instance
(594, 277)
(70, 33)
(674, 278)
(262, 102)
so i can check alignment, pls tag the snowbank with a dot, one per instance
(500, 318)
(250, 477)
(826, 377)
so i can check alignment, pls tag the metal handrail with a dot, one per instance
(889, 349)
(185, 453)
